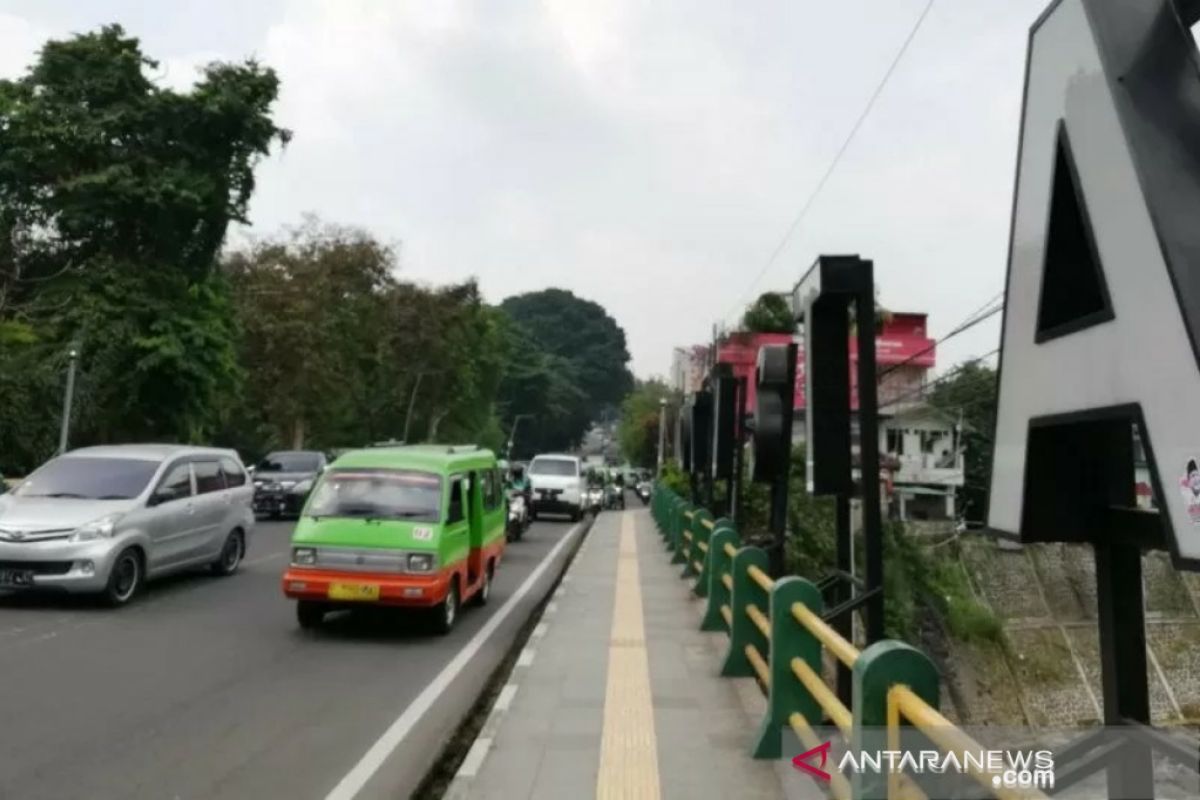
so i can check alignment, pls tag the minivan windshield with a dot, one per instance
(289, 462)
(90, 479)
(378, 494)
(554, 466)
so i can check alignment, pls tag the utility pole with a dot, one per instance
(662, 432)
(68, 398)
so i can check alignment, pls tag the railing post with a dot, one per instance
(700, 588)
(685, 524)
(880, 667)
(691, 551)
(674, 510)
(742, 630)
(789, 640)
(718, 563)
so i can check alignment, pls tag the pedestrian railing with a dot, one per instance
(779, 637)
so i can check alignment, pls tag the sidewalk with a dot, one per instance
(617, 693)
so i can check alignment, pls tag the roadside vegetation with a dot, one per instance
(116, 198)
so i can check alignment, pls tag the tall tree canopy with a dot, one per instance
(639, 424)
(338, 350)
(770, 313)
(586, 347)
(115, 196)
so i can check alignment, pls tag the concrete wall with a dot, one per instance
(1049, 675)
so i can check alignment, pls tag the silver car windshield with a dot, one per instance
(378, 494)
(90, 479)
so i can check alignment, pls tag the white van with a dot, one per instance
(557, 483)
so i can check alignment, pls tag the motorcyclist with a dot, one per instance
(517, 480)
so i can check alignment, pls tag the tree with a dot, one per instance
(638, 430)
(115, 196)
(972, 392)
(588, 347)
(770, 313)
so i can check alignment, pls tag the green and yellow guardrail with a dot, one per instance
(778, 636)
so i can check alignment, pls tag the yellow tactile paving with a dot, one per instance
(628, 747)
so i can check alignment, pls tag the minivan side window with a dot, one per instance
(491, 490)
(175, 485)
(208, 477)
(455, 514)
(234, 475)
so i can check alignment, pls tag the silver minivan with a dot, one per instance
(103, 520)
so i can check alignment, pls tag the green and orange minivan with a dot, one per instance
(418, 527)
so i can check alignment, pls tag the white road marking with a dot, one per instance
(474, 760)
(526, 657)
(539, 631)
(353, 782)
(551, 607)
(505, 698)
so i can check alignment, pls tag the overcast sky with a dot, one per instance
(646, 155)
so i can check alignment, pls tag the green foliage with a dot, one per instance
(637, 431)
(586, 347)
(770, 313)
(675, 479)
(344, 373)
(115, 196)
(972, 391)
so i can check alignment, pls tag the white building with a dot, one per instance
(688, 366)
(923, 450)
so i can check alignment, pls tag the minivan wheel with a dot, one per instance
(125, 578)
(309, 614)
(231, 555)
(447, 610)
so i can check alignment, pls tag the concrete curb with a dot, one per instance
(460, 786)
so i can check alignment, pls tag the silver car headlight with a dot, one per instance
(286, 484)
(97, 529)
(302, 487)
(304, 556)
(420, 562)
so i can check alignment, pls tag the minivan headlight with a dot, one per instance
(420, 562)
(97, 529)
(304, 556)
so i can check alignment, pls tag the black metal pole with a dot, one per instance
(844, 624)
(1122, 621)
(739, 452)
(779, 487)
(868, 448)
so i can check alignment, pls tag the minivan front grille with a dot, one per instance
(38, 567)
(362, 560)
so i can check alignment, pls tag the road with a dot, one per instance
(206, 688)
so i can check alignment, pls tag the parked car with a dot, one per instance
(558, 485)
(104, 520)
(283, 481)
(417, 527)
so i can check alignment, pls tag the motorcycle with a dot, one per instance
(595, 499)
(614, 497)
(643, 492)
(518, 517)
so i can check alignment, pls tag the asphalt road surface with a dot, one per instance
(206, 688)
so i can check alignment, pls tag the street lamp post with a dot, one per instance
(512, 434)
(662, 432)
(68, 397)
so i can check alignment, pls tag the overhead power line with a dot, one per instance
(963, 327)
(926, 388)
(833, 165)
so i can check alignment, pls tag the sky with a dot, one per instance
(648, 156)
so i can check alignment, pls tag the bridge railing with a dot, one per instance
(778, 636)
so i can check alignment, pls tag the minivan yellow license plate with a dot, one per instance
(354, 591)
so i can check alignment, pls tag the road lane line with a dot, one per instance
(358, 776)
(474, 759)
(526, 657)
(505, 698)
(539, 631)
(628, 745)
